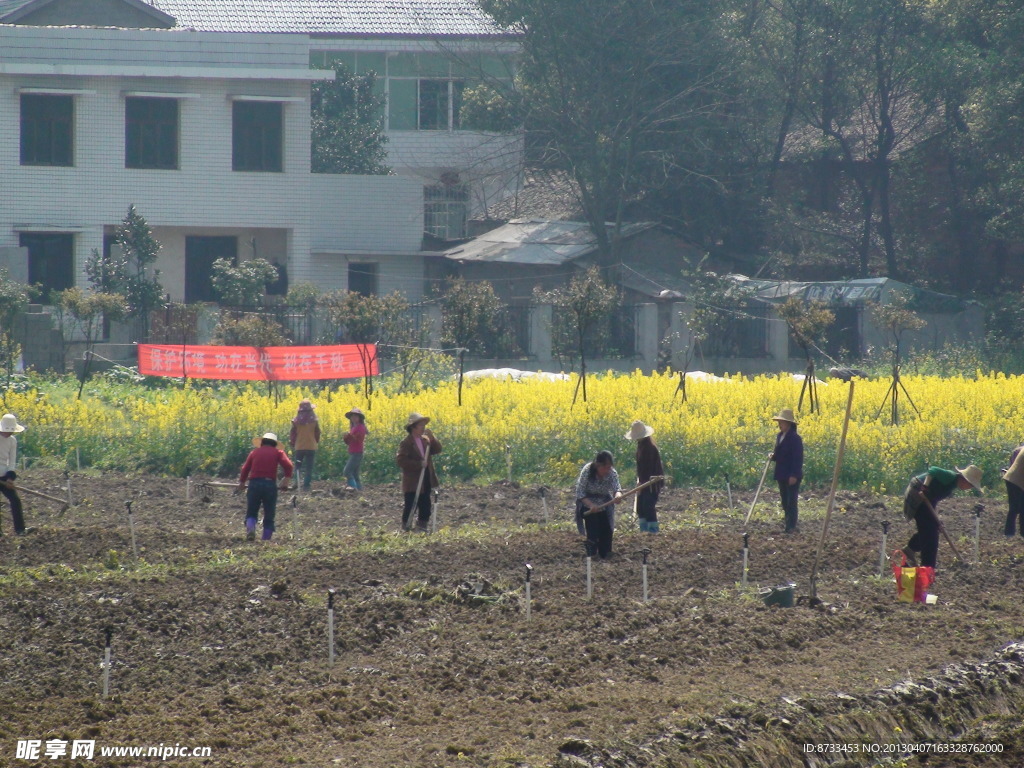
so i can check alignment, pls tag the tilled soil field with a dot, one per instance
(222, 643)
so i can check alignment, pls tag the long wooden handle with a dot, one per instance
(938, 522)
(757, 493)
(630, 492)
(40, 494)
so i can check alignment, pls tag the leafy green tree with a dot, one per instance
(127, 269)
(88, 310)
(807, 321)
(897, 316)
(469, 316)
(381, 322)
(347, 124)
(620, 94)
(14, 300)
(586, 301)
(243, 284)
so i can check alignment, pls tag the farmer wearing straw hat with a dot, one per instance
(9, 427)
(789, 466)
(260, 469)
(304, 440)
(354, 439)
(648, 465)
(1014, 479)
(415, 457)
(920, 501)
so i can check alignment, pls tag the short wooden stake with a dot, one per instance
(106, 665)
(529, 572)
(330, 626)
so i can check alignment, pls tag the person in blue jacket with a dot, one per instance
(789, 466)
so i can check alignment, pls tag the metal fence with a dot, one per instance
(612, 336)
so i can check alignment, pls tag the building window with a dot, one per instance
(151, 133)
(257, 136)
(47, 129)
(445, 210)
(51, 261)
(362, 279)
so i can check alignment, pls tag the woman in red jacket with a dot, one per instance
(260, 469)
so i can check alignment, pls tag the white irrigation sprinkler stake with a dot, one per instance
(728, 490)
(67, 480)
(644, 553)
(188, 488)
(544, 501)
(433, 512)
(978, 509)
(330, 625)
(295, 517)
(746, 558)
(131, 527)
(885, 547)
(508, 462)
(590, 578)
(529, 572)
(106, 665)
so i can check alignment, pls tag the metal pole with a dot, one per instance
(330, 626)
(529, 572)
(590, 581)
(131, 527)
(978, 509)
(746, 554)
(106, 665)
(885, 547)
(764, 473)
(644, 553)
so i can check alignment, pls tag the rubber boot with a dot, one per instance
(267, 533)
(642, 522)
(652, 526)
(250, 528)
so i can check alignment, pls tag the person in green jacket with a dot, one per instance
(919, 504)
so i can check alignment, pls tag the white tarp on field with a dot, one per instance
(515, 374)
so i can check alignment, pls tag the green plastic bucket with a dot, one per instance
(782, 595)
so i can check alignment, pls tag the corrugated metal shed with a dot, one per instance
(535, 242)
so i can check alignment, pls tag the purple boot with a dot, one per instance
(267, 533)
(250, 528)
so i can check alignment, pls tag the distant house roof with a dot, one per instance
(543, 194)
(13, 11)
(849, 292)
(525, 241)
(351, 18)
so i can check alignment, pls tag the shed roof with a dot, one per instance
(528, 241)
(849, 292)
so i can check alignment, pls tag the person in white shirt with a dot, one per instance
(9, 427)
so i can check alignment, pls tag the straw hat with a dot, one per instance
(414, 419)
(972, 474)
(355, 412)
(258, 441)
(9, 423)
(639, 430)
(786, 414)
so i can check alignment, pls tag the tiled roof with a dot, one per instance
(356, 18)
(9, 6)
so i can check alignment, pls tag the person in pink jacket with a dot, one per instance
(355, 439)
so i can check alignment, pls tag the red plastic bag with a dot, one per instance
(912, 583)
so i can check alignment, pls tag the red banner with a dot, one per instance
(339, 361)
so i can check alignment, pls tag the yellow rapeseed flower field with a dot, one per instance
(723, 427)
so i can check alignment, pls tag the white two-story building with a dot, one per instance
(197, 113)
